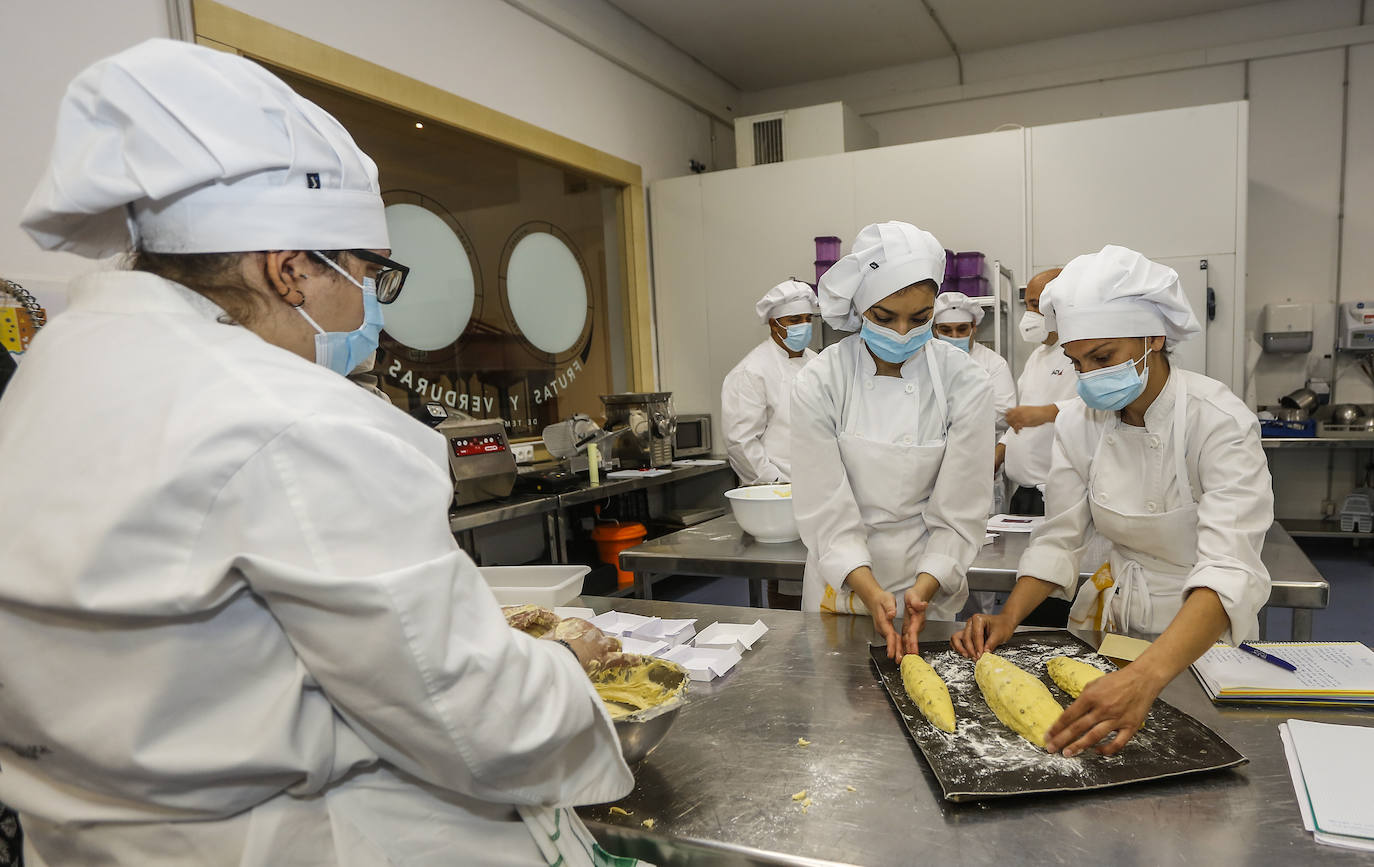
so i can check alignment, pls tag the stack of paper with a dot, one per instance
(1331, 767)
(1337, 673)
(1014, 523)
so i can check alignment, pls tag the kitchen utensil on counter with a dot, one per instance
(650, 422)
(642, 731)
(1288, 413)
(765, 512)
(1346, 413)
(479, 458)
(1304, 399)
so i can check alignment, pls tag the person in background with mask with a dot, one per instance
(756, 393)
(957, 317)
(1163, 462)
(892, 441)
(235, 628)
(755, 400)
(1046, 386)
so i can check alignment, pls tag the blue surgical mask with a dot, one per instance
(798, 336)
(1113, 388)
(961, 342)
(343, 351)
(892, 347)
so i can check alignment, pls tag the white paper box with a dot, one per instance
(703, 663)
(623, 625)
(640, 647)
(674, 632)
(734, 636)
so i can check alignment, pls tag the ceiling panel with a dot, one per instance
(760, 44)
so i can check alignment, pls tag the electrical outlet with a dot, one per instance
(523, 454)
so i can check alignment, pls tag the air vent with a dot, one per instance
(768, 141)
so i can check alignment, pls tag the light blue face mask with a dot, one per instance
(798, 336)
(343, 351)
(961, 342)
(1113, 388)
(892, 347)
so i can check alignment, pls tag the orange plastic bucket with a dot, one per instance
(611, 539)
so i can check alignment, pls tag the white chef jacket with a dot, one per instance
(1228, 479)
(1047, 378)
(999, 375)
(935, 526)
(234, 625)
(755, 400)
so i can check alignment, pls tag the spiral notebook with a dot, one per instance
(1330, 673)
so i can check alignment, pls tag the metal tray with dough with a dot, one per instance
(985, 759)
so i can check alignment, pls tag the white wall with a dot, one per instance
(522, 62)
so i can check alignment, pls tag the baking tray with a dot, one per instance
(985, 759)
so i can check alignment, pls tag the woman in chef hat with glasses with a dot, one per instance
(892, 444)
(234, 625)
(1163, 462)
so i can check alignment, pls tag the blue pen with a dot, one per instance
(1273, 660)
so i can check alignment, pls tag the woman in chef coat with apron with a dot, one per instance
(235, 628)
(892, 441)
(1164, 463)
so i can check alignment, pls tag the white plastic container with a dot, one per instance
(765, 512)
(549, 586)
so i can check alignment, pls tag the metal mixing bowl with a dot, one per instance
(642, 731)
(1346, 413)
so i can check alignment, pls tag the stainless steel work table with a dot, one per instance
(719, 548)
(719, 788)
(465, 519)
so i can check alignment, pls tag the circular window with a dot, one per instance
(439, 296)
(546, 293)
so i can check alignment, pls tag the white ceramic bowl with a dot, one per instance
(765, 512)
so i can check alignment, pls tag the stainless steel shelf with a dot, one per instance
(1308, 528)
(1317, 442)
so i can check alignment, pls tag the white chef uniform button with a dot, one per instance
(910, 387)
(1111, 439)
(1151, 507)
(906, 440)
(1154, 442)
(868, 385)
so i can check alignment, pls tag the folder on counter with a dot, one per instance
(1331, 766)
(1330, 673)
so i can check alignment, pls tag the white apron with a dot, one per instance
(1140, 588)
(890, 483)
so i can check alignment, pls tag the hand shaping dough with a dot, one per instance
(928, 691)
(1021, 701)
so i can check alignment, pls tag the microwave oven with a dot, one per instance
(693, 437)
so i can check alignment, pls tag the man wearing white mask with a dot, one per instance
(957, 317)
(755, 395)
(892, 441)
(1163, 462)
(235, 628)
(1046, 385)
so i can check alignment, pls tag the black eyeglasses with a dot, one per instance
(390, 279)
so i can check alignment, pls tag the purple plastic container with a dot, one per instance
(968, 264)
(949, 267)
(821, 267)
(951, 284)
(973, 287)
(827, 249)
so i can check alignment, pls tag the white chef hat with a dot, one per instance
(1117, 292)
(788, 298)
(183, 149)
(957, 307)
(885, 257)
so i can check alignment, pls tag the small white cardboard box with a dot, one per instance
(580, 613)
(674, 632)
(640, 647)
(734, 636)
(623, 625)
(703, 663)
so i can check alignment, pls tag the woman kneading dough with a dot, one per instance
(892, 440)
(1163, 462)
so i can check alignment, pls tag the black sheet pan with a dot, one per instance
(985, 759)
